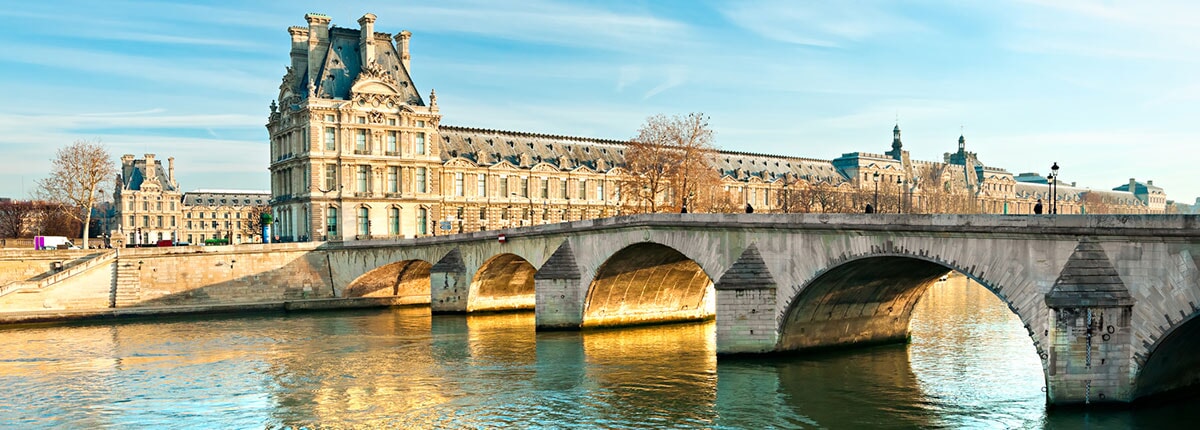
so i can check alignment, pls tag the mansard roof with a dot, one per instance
(488, 147)
(341, 66)
(134, 174)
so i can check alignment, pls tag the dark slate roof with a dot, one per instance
(134, 174)
(488, 147)
(342, 63)
(227, 198)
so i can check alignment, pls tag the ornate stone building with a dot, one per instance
(358, 152)
(150, 207)
(229, 215)
(147, 201)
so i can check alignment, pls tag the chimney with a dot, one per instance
(126, 160)
(366, 40)
(148, 172)
(318, 37)
(171, 170)
(1149, 183)
(402, 43)
(299, 49)
(1132, 185)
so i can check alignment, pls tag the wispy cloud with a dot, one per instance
(546, 22)
(818, 24)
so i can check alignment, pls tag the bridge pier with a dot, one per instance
(560, 292)
(449, 284)
(746, 321)
(1090, 350)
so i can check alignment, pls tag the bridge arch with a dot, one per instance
(1173, 364)
(503, 283)
(869, 299)
(400, 278)
(648, 282)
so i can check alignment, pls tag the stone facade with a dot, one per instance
(150, 207)
(358, 152)
(147, 201)
(231, 215)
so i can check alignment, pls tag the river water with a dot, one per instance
(969, 365)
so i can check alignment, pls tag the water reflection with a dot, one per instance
(969, 365)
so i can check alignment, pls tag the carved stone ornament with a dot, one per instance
(289, 79)
(376, 72)
(376, 117)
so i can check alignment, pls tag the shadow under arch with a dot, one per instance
(867, 301)
(1172, 367)
(503, 283)
(648, 283)
(406, 278)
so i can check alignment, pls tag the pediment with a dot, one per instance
(543, 167)
(503, 165)
(374, 86)
(583, 169)
(459, 162)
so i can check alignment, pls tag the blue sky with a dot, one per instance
(1107, 89)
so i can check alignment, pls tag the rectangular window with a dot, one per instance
(503, 185)
(419, 141)
(600, 190)
(145, 221)
(172, 205)
(393, 179)
(131, 221)
(391, 143)
(481, 186)
(332, 220)
(330, 138)
(391, 121)
(145, 206)
(564, 188)
(394, 221)
(363, 172)
(158, 206)
(360, 141)
(172, 221)
(420, 179)
(482, 214)
(330, 177)
(361, 120)
(131, 205)
(458, 185)
(545, 188)
(420, 123)
(524, 188)
(582, 190)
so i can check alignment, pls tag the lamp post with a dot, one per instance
(899, 195)
(1054, 188)
(876, 178)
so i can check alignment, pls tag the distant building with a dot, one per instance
(223, 214)
(358, 152)
(150, 207)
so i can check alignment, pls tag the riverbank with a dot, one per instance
(55, 316)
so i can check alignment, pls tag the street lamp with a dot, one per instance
(1054, 188)
(876, 177)
(899, 195)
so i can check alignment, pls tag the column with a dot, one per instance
(746, 307)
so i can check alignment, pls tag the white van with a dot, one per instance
(52, 242)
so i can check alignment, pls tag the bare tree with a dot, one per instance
(15, 217)
(670, 162)
(76, 173)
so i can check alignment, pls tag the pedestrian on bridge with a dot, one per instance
(1037, 208)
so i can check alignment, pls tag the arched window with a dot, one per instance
(394, 221)
(364, 221)
(422, 221)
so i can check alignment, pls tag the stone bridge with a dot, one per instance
(1109, 302)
